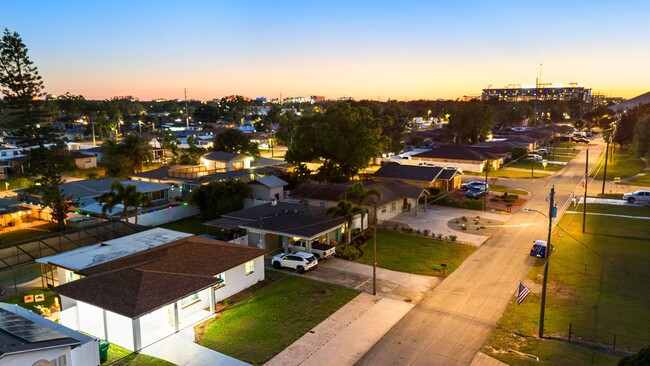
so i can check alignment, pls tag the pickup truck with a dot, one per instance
(321, 251)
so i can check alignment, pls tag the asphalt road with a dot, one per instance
(451, 324)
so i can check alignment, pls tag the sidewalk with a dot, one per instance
(350, 332)
(346, 335)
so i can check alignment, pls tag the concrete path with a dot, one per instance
(451, 324)
(436, 218)
(180, 349)
(346, 335)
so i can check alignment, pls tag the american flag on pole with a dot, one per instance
(523, 292)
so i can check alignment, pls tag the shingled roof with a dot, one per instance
(283, 218)
(420, 173)
(389, 190)
(146, 281)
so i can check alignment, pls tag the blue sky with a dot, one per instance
(365, 49)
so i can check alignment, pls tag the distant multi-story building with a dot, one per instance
(518, 93)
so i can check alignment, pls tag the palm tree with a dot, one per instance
(127, 195)
(361, 196)
(346, 209)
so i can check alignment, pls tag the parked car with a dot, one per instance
(476, 192)
(638, 197)
(474, 184)
(542, 151)
(582, 139)
(299, 261)
(538, 249)
(321, 251)
(534, 157)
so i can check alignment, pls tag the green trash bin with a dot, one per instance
(103, 350)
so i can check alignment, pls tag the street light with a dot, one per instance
(552, 212)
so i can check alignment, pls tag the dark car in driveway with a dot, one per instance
(476, 192)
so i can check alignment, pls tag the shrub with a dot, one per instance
(463, 227)
(349, 252)
(409, 230)
(464, 218)
(426, 232)
(482, 227)
(418, 232)
(453, 237)
(396, 227)
(440, 236)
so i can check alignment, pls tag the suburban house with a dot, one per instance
(85, 194)
(12, 213)
(423, 176)
(224, 161)
(276, 224)
(95, 150)
(396, 197)
(27, 338)
(137, 299)
(267, 188)
(185, 178)
(460, 157)
(84, 161)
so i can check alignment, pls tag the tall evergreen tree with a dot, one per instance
(28, 120)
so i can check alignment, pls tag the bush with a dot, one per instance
(418, 232)
(464, 218)
(467, 204)
(426, 232)
(453, 237)
(349, 252)
(440, 236)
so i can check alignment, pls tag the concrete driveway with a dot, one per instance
(436, 218)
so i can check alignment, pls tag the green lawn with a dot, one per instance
(538, 166)
(192, 225)
(259, 327)
(9, 237)
(518, 174)
(16, 181)
(415, 254)
(19, 299)
(95, 173)
(598, 281)
(118, 356)
(499, 188)
(615, 209)
(623, 165)
(642, 180)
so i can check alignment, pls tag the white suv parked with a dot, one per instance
(638, 196)
(300, 261)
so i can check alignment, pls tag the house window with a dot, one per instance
(157, 195)
(250, 267)
(238, 165)
(383, 209)
(4, 153)
(222, 280)
(88, 161)
(190, 300)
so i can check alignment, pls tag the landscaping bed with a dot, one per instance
(474, 225)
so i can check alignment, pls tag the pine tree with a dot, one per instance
(27, 119)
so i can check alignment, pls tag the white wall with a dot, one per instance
(91, 319)
(236, 279)
(165, 215)
(120, 330)
(157, 325)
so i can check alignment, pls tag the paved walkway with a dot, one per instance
(180, 349)
(346, 335)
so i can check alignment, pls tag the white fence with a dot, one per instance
(165, 215)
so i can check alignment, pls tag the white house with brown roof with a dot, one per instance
(137, 299)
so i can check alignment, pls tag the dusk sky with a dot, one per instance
(364, 49)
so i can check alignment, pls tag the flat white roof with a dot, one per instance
(107, 251)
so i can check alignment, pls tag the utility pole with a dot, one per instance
(549, 250)
(93, 125)
(605, 170)
(187, 116)
(487, 169)
(584, 198)
(374, 253)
